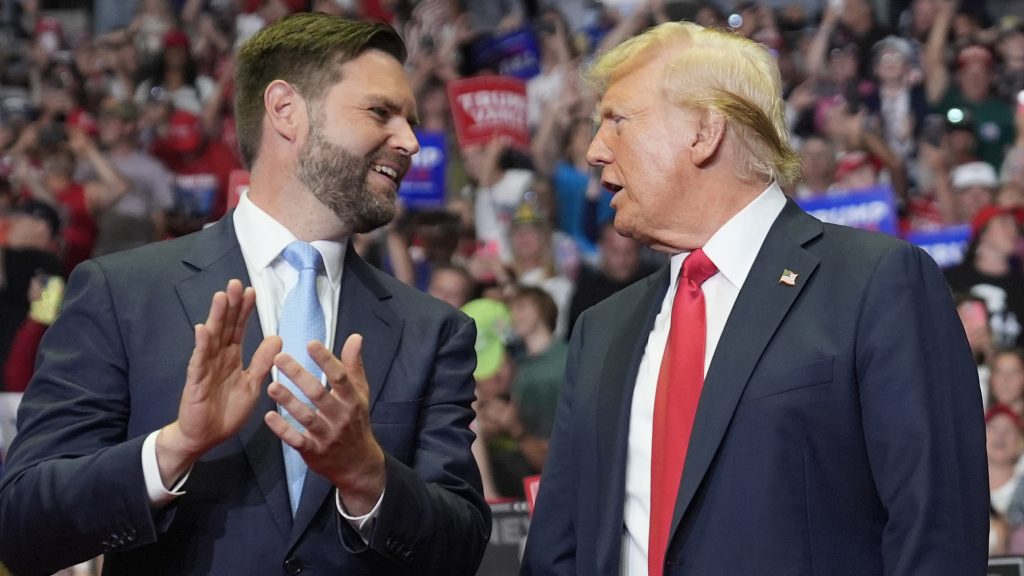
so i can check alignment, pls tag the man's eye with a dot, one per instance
(381, 113)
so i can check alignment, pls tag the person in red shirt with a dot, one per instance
(202, 167)
(78, 202)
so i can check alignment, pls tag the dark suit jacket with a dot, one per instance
(111, 371)
(839, 431)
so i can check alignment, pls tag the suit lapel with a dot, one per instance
(614, 398)
(759, 309)
(217, 258)
(362, 309)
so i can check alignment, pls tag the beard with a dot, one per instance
(338, 179)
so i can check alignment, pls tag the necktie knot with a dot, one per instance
(303, 256)
(697, 267)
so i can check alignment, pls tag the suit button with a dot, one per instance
(293, 566)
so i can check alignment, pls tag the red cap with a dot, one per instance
(854, 160)
(175, 37)
(974, 54)
(184, 133)
(986, 214)
(84, 121)
(1002, 410)
(49, 24)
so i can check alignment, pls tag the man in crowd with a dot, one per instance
(139, 216)
(370, 474)
(972, 88)
(619, 267)
(202, 168)
(787, 397)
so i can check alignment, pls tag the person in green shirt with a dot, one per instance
(538, 372)
(972, 90)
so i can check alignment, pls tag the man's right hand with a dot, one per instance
(219, 393)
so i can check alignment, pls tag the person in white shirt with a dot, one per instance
(786, 396)
(176, 434)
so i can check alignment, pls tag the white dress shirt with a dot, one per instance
(262, 240)
(732, 249)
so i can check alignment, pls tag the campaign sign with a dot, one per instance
(238, 182)
(195, 194)
(510, 522)
(594, 34)
(946, 245)
(423, 186)
(513, 54)
(867, 209)
(531, 486)
(486, 107)
(1005, 566)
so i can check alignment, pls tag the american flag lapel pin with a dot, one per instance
(788, 277)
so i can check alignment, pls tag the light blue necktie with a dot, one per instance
(302, 320)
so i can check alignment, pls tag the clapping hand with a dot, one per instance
(219, 392)
(338, 442)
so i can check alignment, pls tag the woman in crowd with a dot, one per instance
(1006, 380)
(1003, 446)
(175, 78)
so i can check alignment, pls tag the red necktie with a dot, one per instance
(675, 403)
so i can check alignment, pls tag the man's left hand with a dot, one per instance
(338, 442)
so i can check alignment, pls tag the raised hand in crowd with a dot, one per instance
(110, 185)
(556, 119)
(936, 74)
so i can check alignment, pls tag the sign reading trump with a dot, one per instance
(867, 209)
(488, 107)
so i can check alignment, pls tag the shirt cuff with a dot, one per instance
(363, 524)
(158, 495)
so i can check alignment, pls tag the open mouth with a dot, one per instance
(387, 171)
(611, 187)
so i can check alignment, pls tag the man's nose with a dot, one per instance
(405, 140)
(598, 153)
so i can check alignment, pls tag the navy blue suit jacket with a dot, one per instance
(111, 370)
(839, 430)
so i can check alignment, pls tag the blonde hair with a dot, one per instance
(716, 70)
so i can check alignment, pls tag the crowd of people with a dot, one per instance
(122, 135)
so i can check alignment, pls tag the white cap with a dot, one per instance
(975, 174)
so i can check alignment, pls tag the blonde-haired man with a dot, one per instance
(787, 396)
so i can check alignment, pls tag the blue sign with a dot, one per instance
(195, 194)
(513, 54)
(594, 34)
(945, 245)
(867, 209)
(423, 186)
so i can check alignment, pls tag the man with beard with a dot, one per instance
(175, 434)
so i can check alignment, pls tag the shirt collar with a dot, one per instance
(735, 245)
(265, 238)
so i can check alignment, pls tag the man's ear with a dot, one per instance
(709, 137)
(286, 110)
